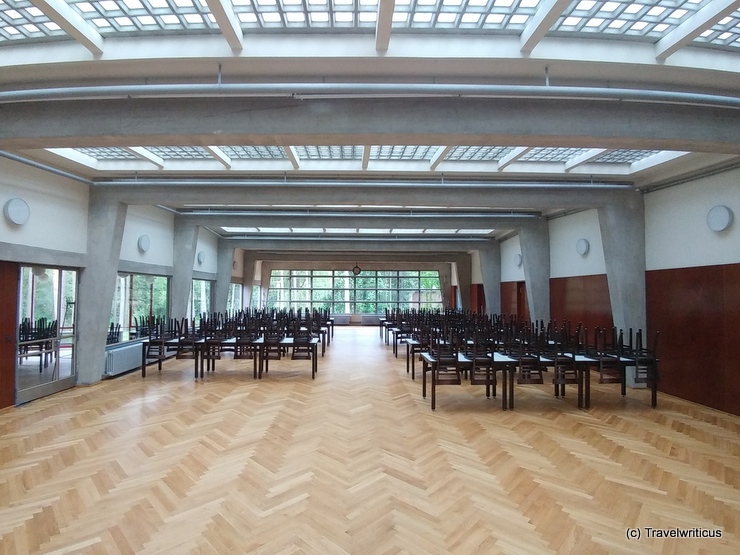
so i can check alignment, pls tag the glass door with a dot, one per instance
(45, 360)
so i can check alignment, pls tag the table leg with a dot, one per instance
(434, 388)
(579, 374)
(504, 392)
(413, 366)
(408, 353)
(511, 388)
(314, 362)
(587, 385)
(143, 360)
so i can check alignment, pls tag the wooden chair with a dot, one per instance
(156, 350)
(646, 365)
(210, 352)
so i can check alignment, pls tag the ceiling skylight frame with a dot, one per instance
(478, 153)
(402, 152)
(647, 18)
(552, 154)
(724, 33)
(107, 153)
(21, 20)
(325, 152)
(181, 152)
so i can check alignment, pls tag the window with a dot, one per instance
(341, 292)
(200, 300)
(234, 302)
(137, 299)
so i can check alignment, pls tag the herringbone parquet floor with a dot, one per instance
(355, 462)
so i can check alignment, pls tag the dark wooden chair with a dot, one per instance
(156, 349)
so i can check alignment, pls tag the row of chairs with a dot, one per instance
(462, 343)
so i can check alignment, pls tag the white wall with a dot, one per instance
(237, 267)
(676, 232)
(58, 206)
(155, 223)
(509, 270)
(564, 234)
(208, 245)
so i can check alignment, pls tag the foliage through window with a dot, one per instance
(341, 292)
(138, 298)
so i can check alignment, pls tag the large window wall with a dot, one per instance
(342, 292)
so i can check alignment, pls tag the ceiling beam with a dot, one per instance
(383, 24)
(354, 246)
(72, 23)
(513, 156)
(292, 155)
(439, 156)
(694, 26)
(219, 155)
(450, 195)
(383, 220)
(286, 121)
(588, 156)
(146, 154)
(228, 23)
(541, 22)
(365, 157)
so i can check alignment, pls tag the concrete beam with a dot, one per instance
(537, 196)
(518, 122)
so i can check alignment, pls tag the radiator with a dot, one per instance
(370, 319)
(122, 359)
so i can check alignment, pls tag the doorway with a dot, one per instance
(45, 361)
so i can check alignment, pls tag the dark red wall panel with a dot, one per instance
(697, 311)
(581, 300)
(477, 298)
(508, 297)
(8, 333)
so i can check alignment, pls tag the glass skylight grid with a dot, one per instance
(180, 152)
(624, 156)
(108, 153)
(507, 15)
(254, 152)
(329, 152)
(726, 32)
(475, 153)
(551, 154)
(112, 16)
(406, 152)
(303, 14)
(19, 19)
(651, 18)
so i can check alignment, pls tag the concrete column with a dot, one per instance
(623, 236)
(490, 266)
(249, 262)
(105, 222)
(464, 279)
(535, 245)
(185, 243)
(445, 281)
(265, 282)
(224, 265)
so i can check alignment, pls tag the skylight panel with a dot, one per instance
(107, 153)
(407, 231)
(624, 156)
(342, 230)
(20, 20)
(329, 152)
(551, 154)
(725, 33)
(254, 152)
(373, 230)
(406, 152)
(180, 152)
(478, 153)
(274, 229)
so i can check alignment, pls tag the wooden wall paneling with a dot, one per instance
(8, 331)
(581, 299)
(508, 297)
(731, 343)
(685, 305)
(477, 298)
